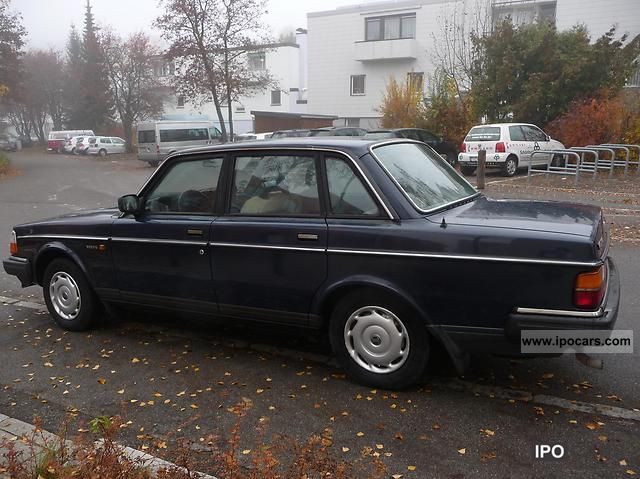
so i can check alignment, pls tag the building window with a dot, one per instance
(276, 97)
(164, 68)
(390, 27)
(357, 85)
(416, 80)
(256, 61)
(181, 101)
(353, 122)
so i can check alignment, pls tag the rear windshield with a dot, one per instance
(484, 133)
(146, 136)
(427, 180)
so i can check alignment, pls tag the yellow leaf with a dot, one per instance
(411, 468)
(48, 365)
(158, 395)
(591, 426)
(547, 375)
(121, 391)
(135, 360)
(462, 451)
(162, 445)
(396, 476)
(603, 438)
(360, 434)
(259, 391)
(345, 449)
(379, 446)
(246, 451)
(194, 406)
(631, 472)
(102, 381)
(623, 462)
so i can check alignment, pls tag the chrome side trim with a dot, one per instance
(71, 237)
(308, 148)
(259, 246)
(18, 259)
(497, 259)
(562, 312)
(158, 241)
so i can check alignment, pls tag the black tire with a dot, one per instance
(102, 152)
(510, 166)
(72, 284)
(405, 372)
(73, 151)
(467, 170)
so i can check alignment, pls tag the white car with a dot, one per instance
(509, 146)
(71, 144)
(105, 145)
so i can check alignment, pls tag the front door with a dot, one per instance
(269, 250)
(537, 140)
(162, 256)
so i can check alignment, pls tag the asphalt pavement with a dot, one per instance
(177, 377)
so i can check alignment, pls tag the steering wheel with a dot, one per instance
(193, 201)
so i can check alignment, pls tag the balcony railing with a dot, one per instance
(399, 49)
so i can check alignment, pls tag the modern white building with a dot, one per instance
(286, 62)
(353, 51)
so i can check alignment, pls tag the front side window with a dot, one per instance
(275, 185)
(347, 195)
(534, 134)
(425, 178)
(390, 27)
(357, 85)
(188, 187)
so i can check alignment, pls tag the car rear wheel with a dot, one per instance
(378, 340)
(510, 166)
(102, 152)
(468, 170)
(68, 295)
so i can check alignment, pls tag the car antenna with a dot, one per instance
(443, 224)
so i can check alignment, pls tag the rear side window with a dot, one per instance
(483, 133)
(184, 134)
(516, 134)
(146, 136)
(347, 195)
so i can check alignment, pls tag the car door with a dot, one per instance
(117, 145)
(161, 256)
(519, 144)
(536, 140)
(269, 249)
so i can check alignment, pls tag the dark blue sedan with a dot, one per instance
(381, 243)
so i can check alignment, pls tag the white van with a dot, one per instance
(159, 139)
(509, 146)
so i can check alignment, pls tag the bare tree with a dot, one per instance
(208, 41)
(136, 93)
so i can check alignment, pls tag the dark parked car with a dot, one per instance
(338, 131)
(289, 134)
(446, 148)
(381, 243)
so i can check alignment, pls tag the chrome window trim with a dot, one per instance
(286, 148)
(498, 259)
(432, 210)
(125, 239)
(71, 237)
(562, 312)
(259, 246)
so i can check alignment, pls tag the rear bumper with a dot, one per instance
(493, 159)
(21, 268)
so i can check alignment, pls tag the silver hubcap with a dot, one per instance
(511, 167)
(376, 339)
(65, 296)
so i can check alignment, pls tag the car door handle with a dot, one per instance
(194, 232)
(307, 237)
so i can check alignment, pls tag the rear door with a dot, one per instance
(269, 249)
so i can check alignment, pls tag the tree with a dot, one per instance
(208, 42)
(136, 93)
(74, 65)
(402, 104)
(95, 104)
(12, 35)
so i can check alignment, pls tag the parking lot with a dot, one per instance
(174, 378)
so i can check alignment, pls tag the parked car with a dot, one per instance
(253, 136)
(382, 243)
(338, 131)
(447, 150)
(9, 142)
(159, 139)
(71, 144)
(289, 134)
(82, 144)
(106, 145)
(508, 145)
(58, 139)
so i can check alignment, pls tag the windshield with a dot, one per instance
(483, 133)
(427, 180)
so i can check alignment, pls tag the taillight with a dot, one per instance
(590, 288)
(13, 246)
(463, 148)
(500, 148)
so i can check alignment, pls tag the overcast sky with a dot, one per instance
(48, 21)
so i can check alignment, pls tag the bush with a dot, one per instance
(5, 163)
(402, 105)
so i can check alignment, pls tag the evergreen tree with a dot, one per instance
(73, 72)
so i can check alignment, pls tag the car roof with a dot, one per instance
(498, 125)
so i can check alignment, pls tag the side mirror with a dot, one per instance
(548, 138)
(129, 204)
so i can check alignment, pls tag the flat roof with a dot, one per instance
(373, 7)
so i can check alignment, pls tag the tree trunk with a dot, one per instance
(127, 126)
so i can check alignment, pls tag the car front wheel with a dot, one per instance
(467, 170)
(68, 295)
(379, 341)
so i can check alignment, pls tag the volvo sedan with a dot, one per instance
(379, 243)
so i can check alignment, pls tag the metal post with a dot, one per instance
(482, 163)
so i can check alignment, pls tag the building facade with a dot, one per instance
(354, 51)
(286, 62)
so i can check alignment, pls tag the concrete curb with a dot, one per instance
(18, 432)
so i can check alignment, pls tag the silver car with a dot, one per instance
(105, 145)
